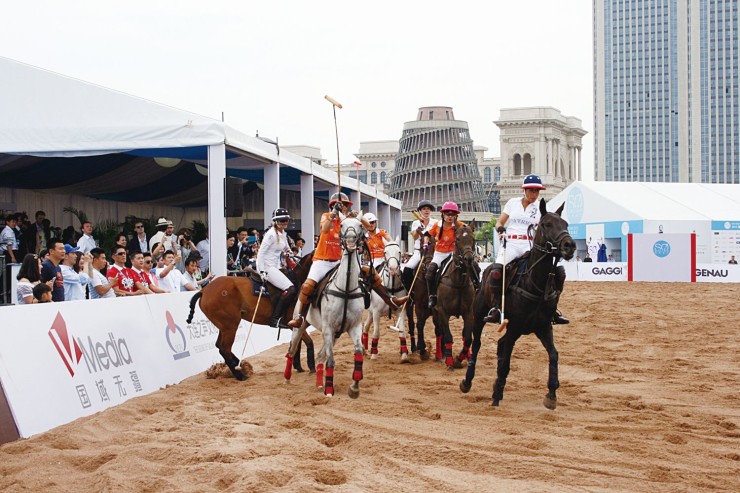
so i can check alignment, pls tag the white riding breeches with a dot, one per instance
(278, 279)
(439, 257)
(319, 269)
(413, 262)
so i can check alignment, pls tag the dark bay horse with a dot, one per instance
(456, 293)
(228, 299)
(418, 304)
(531, 298)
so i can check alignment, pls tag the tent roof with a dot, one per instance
(593, 202)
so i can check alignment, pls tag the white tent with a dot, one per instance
(49, 115)
(608, 211)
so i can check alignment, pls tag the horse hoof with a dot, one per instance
(353, 393)
(239, 375)
(450, 368)
(457, 362)
(495, 403)
(373, 356)
(465, 386)
(300, 370)
(404, 356)
(287, 381)
(550, 402)
(424, 355)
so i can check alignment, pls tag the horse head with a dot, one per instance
(465, 244)
(552, 233)
(350, 234)
(392, 255)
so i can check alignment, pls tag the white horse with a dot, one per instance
(340, 310)
(390, 273)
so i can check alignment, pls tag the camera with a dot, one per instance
(187, 237)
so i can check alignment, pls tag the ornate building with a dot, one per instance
(542, 141)
(376, 159)
(436, 161)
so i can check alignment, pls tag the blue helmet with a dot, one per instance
(533, 181)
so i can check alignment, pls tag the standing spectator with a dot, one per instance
(50, 270)
(231, 253)
(86, 242)
(171, 279)
(125, 285)
(204, 248)
(9, 249)
(38, 234)
(191, 274)
(732, 260)
(243, 247)
(163, 235)
(148, 276)
(299, 243)
(29, 275)
(122, 241)
(186, 246)
(588, 258)
(73, 272)
(21, 228)
(141, 286)
(100, 286)
(140, 241)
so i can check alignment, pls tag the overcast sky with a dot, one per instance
(268, 65)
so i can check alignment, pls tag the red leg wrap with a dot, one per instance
(374, 349)
(320, 375)
(364, 340)
(404, 349)
(448, 354)
(465, 353)
(288, 366)
(357, 374)
(329, 387)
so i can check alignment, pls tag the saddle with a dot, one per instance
(515, 278)
(316, 297)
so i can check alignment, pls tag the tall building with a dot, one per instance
(376, 160)
(537, 140)
(666, 91)
(436, 161)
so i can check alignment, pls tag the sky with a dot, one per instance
(267, 65)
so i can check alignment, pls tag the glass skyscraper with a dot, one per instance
(666, 91)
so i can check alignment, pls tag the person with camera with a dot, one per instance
(186, 247)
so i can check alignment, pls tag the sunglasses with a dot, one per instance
(147, 261)
(140, 226)
(119, 253)
(450, 213)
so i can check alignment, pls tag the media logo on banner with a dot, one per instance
(661, 249)
(574, 205)
(65, 344)
(175, 338)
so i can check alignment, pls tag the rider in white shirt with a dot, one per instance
(275, 247)
(425, 209)
(518, 216)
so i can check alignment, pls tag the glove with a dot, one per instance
(500, 229)
(338, 207)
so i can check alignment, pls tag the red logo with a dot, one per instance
(66, 345)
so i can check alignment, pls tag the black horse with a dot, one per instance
(532, 295)
(418, 305)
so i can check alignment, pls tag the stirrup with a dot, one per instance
(494, 315)
(278, 323)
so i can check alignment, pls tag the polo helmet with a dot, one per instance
(339, 196)
(425, 203)
(280, 213)
(450, 207)
(533, 181)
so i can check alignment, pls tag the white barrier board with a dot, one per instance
(61, 361)
(717, 273)
(661, 257)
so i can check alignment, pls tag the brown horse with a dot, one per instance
(457, 294)
(228, 299)
(418, 305)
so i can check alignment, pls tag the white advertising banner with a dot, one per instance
(602, 271)
(61, 361)
(661, 257)
(717, 273)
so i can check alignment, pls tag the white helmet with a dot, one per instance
(370, 217)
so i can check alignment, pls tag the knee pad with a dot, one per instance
(431, 272)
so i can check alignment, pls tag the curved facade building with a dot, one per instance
(436, 162)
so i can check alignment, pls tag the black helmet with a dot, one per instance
(280, 213)
(425, 203)
(337, 197)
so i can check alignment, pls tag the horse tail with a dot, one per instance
(193, 301)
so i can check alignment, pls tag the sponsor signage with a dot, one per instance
(661, 257)
(717, 273)
(602, 271)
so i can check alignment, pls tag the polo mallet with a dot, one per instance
(251, 324)
(504, 321)
(334, 105)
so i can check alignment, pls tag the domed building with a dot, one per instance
(436, 161)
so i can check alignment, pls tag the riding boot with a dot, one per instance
(475, 276)
(431, 278)
(558, 317)
(303, 303)
(495, 280)
(407, 278)
(282, 303)
(377, 285)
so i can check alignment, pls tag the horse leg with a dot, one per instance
(293, 349)
(376, 332)
(438, 333)
(354, 389)
(366, 327)
(224, 342)
(467, 382)
(310, 361)
(410, 318)
(297, 360)
(447, 341)
(328, 350)
(503, 352)
(401, 325)
(547, 340)
(320, 367)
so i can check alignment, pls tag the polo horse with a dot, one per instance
(227, 300)
(337, 308)
(531, 297)
(417, 307)
(390, 273)
(456, 291)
